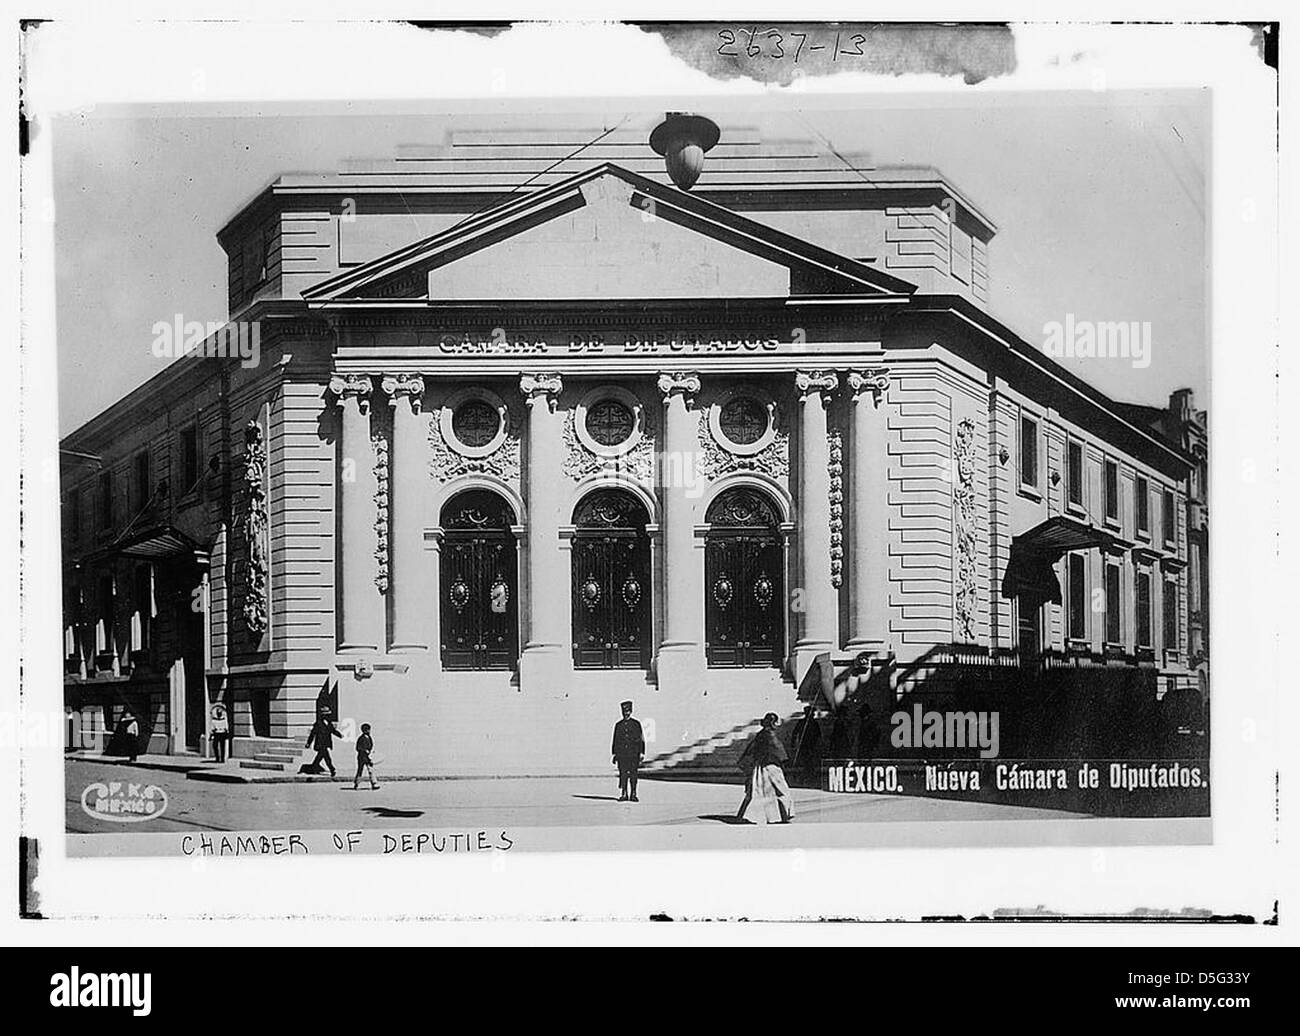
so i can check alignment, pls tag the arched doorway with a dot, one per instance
(611, 582)
(744, 592)
(479, 582)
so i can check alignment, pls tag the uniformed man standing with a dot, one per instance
(627, 749)
(219, 731)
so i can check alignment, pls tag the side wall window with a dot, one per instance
(1078, 580)
(1028, 452)
(106, 500)
(1143, 613)
(1111, 480)
(1113, 616)
(1074, 472)
(189, 450)
(1171, 615)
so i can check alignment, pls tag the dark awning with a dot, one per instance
(152, 544)
(1033, 553)
(1058, 536)
(1031, 574)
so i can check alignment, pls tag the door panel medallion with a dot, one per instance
(500, 596)
(459, 594)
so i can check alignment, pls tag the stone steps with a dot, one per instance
(276, 754)
(717, 754)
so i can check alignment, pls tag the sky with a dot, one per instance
(1099, 199)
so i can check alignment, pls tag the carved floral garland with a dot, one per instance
(580, 462)
(446, 463)
(964, 498)
(717, 460)
(254, 527)
(380, 444)
(836, 441)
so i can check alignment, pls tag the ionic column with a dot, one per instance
(869, 510)
(818, 633)
(361, 622)
(680, 657)
(544, 660)
(405, 517)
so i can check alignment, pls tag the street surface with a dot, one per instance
(479, 802)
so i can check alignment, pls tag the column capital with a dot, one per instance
(395, 386)
(685, 382)
(540, 387)
(358, 385)
(809, 382)
(873, 379)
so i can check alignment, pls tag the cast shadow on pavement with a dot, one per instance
(387, 811)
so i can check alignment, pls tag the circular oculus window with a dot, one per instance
(743, 422)
(608, 421)
(474, 423)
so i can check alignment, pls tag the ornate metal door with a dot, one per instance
(479, 578)
(611, 582)
(744, 594)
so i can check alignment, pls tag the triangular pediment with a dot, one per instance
(606, 233)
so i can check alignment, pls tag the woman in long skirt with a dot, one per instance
(765, 780)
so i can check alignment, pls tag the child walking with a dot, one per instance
(365, 745)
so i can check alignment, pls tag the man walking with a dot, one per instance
(627, 749)
(322, 736)
(365, 745)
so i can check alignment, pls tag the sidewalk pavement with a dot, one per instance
(233, 773)
(186, 764)
(496, 803)
(197, 768)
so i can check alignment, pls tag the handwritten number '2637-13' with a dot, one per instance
(773, 44)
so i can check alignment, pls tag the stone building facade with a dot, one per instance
(508, 457)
